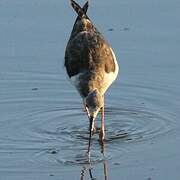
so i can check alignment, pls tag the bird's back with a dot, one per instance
(88, 56)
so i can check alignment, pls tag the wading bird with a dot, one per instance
(91, 66)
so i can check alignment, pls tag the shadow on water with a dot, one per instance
(90, 168)
(88, 171)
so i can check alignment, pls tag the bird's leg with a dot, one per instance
(102, 132)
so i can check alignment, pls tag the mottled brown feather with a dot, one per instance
(89, 53)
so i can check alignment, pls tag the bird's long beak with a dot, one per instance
(91, 122)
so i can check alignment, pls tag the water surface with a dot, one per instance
(43, 128)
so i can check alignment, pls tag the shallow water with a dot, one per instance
(43, 129)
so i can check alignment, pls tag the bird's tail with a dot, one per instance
(80, 11)
(85, 7)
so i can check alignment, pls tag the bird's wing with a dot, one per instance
(88, 51)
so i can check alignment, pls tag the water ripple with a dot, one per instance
(55, 130)
(65, 131)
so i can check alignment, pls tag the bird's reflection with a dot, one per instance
(88, 169)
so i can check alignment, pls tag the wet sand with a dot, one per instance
(43, 129)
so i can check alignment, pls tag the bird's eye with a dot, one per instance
(87, 106)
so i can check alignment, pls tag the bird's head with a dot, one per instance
(94, 102)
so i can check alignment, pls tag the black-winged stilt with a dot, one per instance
(91, 65)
